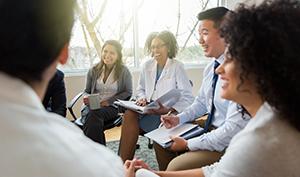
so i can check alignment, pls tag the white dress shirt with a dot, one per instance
(267, 146)
(35, 143)
(227, 120)
(173, 76)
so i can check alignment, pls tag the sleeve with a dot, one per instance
(183, 83)
(58, 96)
(126, 90)
(197, 109)
(210, 169)
(218, 139)
(246, 156)
(88, 82)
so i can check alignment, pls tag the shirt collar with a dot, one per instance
(17, 91)
(220, 59)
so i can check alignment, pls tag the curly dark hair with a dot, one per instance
(264, 41)
(168, 38)
(149, 39)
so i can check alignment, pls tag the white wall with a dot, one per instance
(76, 84)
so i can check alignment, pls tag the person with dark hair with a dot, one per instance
(111, 80)
(149, 39)
(159, 75)
(34, 39)
(223, 120)
(264, 82)
(55, 97)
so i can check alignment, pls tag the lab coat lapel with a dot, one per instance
(165, 70)
(152, 75)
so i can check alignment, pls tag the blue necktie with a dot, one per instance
(212, 110)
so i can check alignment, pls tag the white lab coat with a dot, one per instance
(173, 76)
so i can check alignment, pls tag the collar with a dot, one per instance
(14, 90)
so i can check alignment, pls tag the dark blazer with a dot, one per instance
(55, 97)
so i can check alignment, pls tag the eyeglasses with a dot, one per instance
(157, 47)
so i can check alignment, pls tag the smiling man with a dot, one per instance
(223, 121)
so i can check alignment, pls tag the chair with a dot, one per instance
(77, 120)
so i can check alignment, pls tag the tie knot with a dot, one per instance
(216, 64)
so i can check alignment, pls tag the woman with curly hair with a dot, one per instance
(160, 74)
(261, 73)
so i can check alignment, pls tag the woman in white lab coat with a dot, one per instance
(159, 75)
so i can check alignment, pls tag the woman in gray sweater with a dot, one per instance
(110, 79)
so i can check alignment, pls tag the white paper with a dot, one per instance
(162, 135)
(167, 100)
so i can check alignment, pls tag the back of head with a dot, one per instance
(265, 42)
(32, 34)
(214, 14)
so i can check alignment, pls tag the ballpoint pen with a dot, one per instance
(169, 113)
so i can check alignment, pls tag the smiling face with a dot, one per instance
(211, 42)
(233, 88)
(109, 55)
(159, 50)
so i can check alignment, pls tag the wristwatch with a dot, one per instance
(187, 147)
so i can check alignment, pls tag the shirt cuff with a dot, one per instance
(194, 143)
(209, 170)
(182, 118)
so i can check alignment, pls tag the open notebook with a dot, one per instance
(167, 100)
(162, 135)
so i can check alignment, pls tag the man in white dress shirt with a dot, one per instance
(226, 121)
(35, 143)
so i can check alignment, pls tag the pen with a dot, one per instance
(169, 113)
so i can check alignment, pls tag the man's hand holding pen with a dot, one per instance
(169, 120)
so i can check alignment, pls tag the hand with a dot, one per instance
(85, 100)
(169, 121)
(179, 144)
(131, 166)
(104, 103)
(141, 102)
(161, 110)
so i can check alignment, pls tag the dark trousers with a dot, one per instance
(96, 119)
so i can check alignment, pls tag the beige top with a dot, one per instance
(268, 146)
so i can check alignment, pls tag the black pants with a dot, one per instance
(96, 119)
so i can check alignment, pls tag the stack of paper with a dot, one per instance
(162, 135)
(167, 100)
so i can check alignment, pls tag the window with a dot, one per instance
(130, 22)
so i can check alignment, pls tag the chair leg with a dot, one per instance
(150, 143)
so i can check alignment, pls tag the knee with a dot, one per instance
(129, 117)
(94, 119)
(174, 165)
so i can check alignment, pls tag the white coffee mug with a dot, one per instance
(94, 101)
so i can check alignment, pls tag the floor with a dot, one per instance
(113, 134)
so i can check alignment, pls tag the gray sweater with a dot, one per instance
(124, 84)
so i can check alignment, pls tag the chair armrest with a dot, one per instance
(72, 103)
